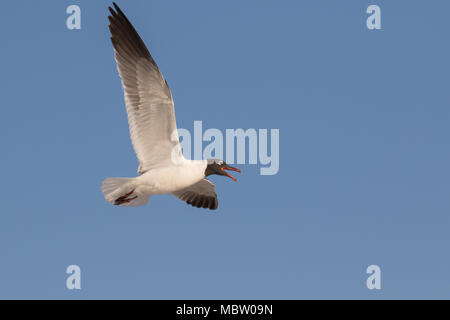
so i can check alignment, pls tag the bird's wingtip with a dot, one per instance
(116, 7)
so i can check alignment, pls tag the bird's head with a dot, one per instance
(216, 166)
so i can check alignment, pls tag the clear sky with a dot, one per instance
(364, 151)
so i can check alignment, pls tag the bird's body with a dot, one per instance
(160, 180)
(172, 178)
(153, 131)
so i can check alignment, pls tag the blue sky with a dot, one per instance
(364, 158)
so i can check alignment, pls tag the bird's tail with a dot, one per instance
(123, 192)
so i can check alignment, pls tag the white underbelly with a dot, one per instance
(170, 179)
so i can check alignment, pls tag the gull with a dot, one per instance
(151, 118)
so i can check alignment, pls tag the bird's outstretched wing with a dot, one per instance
(201, 195)
(149, 103)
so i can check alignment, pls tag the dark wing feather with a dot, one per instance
(201, 195)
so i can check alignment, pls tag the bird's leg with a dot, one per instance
(123, 199)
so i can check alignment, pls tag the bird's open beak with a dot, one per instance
(230, 169)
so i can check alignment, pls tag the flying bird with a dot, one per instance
(153, 131)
